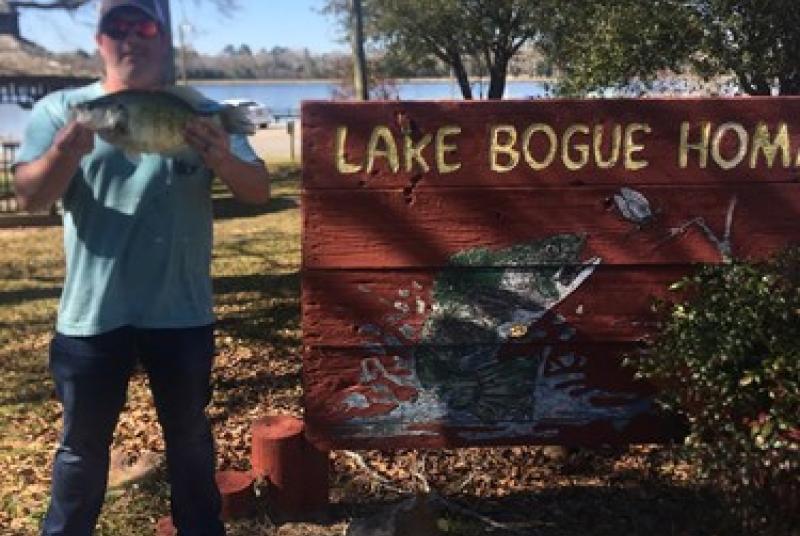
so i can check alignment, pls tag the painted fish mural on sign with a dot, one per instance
(454, 367)
(495, 301)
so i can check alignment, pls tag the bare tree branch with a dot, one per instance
(53, 4)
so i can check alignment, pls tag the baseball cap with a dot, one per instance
(151, 8)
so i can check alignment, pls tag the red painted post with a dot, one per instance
(164, 527)
(297, 471)
(238, 496)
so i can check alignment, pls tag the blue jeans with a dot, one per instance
(91, 376)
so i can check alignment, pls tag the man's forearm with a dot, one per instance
(248, 181)
(42, 182)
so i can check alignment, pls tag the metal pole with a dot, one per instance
(290, 131)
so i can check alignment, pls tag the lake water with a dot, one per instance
(284, 97)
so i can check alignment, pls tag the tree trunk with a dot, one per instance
(359, 58)
(460, 72)
(497, 81)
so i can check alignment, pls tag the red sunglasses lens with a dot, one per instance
(119, 28)
(147, 29)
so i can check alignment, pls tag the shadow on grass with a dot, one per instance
(244, 393)
(272, 316)
(272, 285)
(9, 298)
(33, 390)
(650, 508)
(228, 207)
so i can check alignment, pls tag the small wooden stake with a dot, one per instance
(297, 471)
(164, 527)
(238, 497)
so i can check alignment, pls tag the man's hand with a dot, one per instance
(248, 181)
(40, 183)
(75, 140)
(210, 140)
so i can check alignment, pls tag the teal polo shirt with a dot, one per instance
(137, 232)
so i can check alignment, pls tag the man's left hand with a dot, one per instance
(209, 140)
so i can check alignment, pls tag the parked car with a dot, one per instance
(260, 115)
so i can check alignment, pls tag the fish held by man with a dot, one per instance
(153, 121)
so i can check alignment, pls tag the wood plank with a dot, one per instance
(653, 126)
(476, 306)
(421, 397)
(362, 229)
(459, 290)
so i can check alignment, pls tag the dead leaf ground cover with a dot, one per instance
(637, 491)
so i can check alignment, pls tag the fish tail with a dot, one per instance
(236, 121)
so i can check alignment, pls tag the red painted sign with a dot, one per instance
(473, 272)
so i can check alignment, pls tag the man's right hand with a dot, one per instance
(74, 140)
(41, 182)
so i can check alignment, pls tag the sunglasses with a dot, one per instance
(119, 29)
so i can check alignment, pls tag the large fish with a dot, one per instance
(153, 121)
(484, 300)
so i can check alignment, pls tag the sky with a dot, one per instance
(258, 24)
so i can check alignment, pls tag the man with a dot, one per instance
(137, 237)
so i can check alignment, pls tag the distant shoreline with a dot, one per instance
(288, 81)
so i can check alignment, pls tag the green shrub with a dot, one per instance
(727, 358)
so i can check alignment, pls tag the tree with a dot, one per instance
(490, 32)
(225, 6)
(607, 43)
(69, 5)
(359, 57)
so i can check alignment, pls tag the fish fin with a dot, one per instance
(587, 269)
(192, 97)
(236, 121)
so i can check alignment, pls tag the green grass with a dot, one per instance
(255, 265)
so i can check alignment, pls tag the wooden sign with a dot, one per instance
(473, 272)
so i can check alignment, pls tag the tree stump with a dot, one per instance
(238, 497)
(297, 471)
(164, 527)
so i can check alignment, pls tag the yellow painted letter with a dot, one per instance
(413, 152)
(384, 135)
(442, 148)
(762, 143)
(507, 149)
(582, 149)
(616, 142)
(548, 131)
(342, 166)
(633, 147)
(741, 135)
(701, 147)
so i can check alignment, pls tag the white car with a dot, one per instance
(260, 115)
